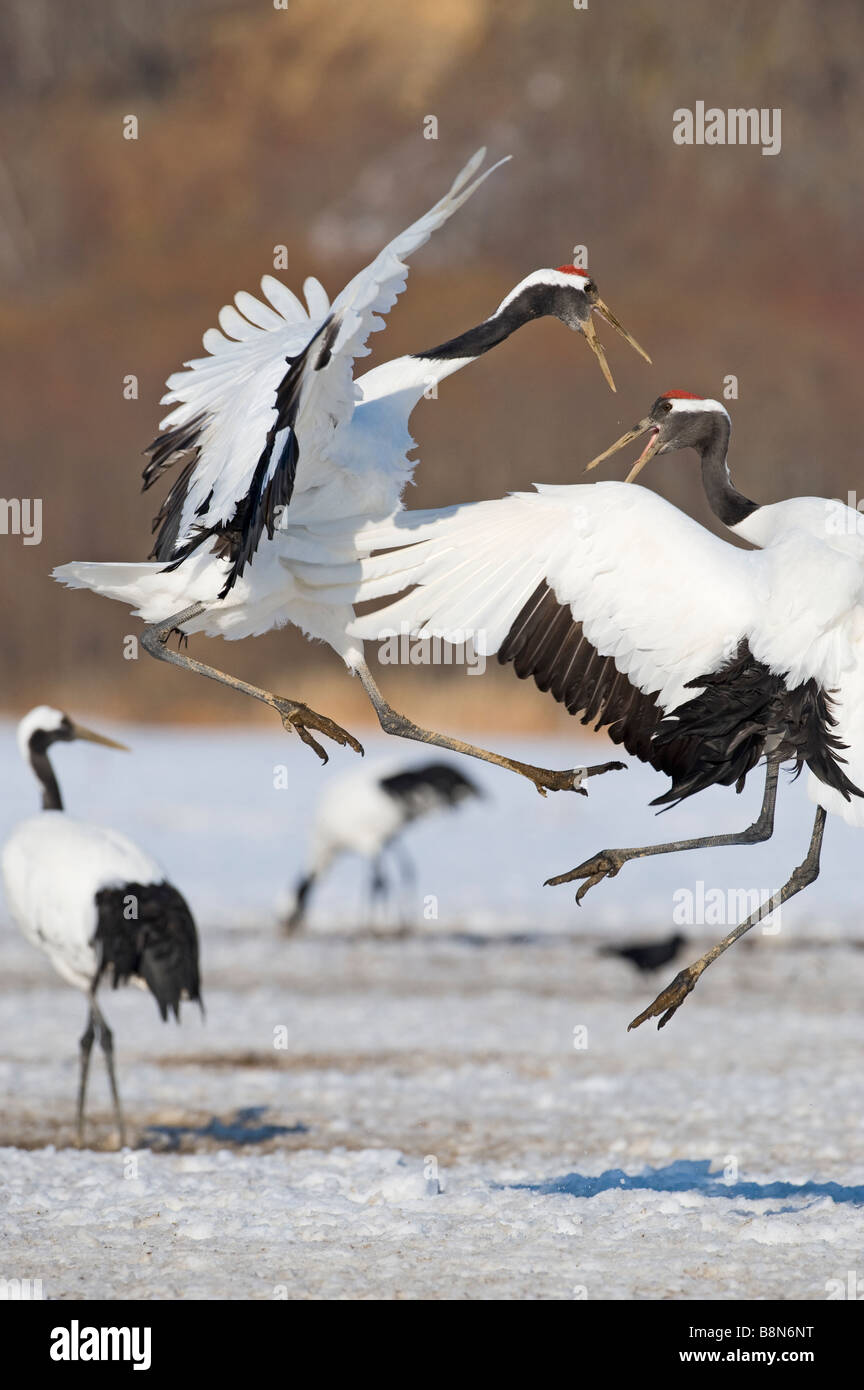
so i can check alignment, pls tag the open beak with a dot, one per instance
(596, 347)
(651, 448)
(606, 313)
(89, 736)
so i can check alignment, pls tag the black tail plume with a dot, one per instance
(147, 930)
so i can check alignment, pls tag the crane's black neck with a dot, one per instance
(534, 302)
(729, 505)
(41, 765)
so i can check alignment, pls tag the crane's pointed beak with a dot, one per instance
(606, 313)
(90, 736)
(651, 448)
(596, 347)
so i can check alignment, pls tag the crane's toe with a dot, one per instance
(547, 780)
(606, 864)
(302, 720)
(670, 999)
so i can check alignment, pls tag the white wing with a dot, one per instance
(225, 405)
(619, 605)
(640, 583)
(359, 310)
(252, 424)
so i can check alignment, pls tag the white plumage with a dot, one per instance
(350, 467)
(53, 867)
(699, 656)
(814, 547)
(353, 816)
(287, 460)
(656, 592)
(94, 902)
(365, 812)
(619, 555)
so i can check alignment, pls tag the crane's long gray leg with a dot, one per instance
(379, 889)
(106, 1042)
(294, 714)
(407, 866)
(608, 862)
(296, 917)
(86, 1047)
(408, 874)
(407, 882)
(392, 722)
(672, 997)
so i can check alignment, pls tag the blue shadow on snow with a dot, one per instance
(239, 1129)
(690, 1175)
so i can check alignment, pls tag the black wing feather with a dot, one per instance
(716, 738)
(740, 708)
(546, 643)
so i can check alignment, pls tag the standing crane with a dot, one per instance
(366, 813)
(95, 903)
(698, 657)
(286, 458)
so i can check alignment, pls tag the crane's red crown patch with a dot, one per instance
(572, 270)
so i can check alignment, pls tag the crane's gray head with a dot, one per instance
(570, 294)
(676, 420)
(44, 726)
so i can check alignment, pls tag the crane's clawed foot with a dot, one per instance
(606, 864)
(669, 1000)
(303, 720)
(570, 780)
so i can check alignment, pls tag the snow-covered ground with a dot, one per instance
(460, 1113)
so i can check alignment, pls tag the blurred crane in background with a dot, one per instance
(366, 813)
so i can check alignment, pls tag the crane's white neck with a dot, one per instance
(416, 376)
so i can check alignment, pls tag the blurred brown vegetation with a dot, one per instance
(304, 126)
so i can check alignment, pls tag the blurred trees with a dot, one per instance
(303, 127)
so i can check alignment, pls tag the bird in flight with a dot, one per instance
(697, 656)
(286, 457)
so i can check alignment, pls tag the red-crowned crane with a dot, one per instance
(94, 902)
(366, 812)
(697, 656)
(286, 458)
